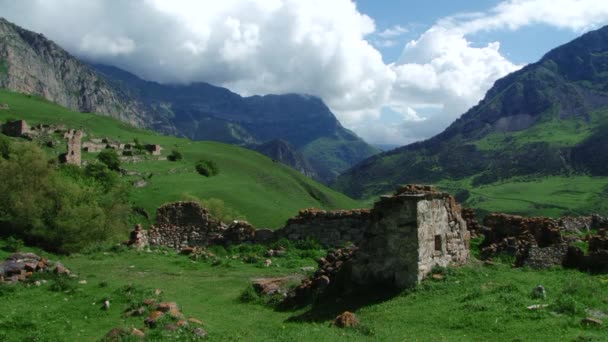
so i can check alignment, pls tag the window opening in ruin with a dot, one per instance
(438, 243)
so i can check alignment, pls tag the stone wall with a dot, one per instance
(15, 128)
(410, 233)
(183, 224)
(330, 228)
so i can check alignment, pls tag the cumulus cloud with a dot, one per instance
(315, 47)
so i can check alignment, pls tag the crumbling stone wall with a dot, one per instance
(15, 128)
(329, 228)
(410, 233)
(183, 224)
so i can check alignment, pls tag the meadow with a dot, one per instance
(471, 303)
(264, 192)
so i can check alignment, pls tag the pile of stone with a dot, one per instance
(596, 260)
(18, 267)
(165, 315)
(276, 285)
(238, 232)
(331, 277)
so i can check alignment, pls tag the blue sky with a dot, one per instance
(522, 46)
(394, 72)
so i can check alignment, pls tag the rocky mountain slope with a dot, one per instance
(282, 151)
(32, 64)
(549, 118)
(201, 111)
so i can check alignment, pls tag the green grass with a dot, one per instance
(265, 192)
(551, 130)
(545, 196)
(472, 303)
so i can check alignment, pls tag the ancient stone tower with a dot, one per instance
(73, 155)
(411, 232)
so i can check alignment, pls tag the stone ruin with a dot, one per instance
(411, 232)
(154, 149)
(400, 240)
(73, 155)
(329, 228)
(541, 242)
(16, 128)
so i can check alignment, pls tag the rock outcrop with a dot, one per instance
(21, 266)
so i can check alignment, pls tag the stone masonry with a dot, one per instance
(329, 228)
(73, 155)
(15, 128)
(411, 232)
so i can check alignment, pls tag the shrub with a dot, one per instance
(175, 155)
(13, 244)
(62, 211)
(207, 168)
(5, 145)
(110, 158)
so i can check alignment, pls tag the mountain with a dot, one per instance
(283, 152)
(32, 64)
(201, 111)
(549, 118)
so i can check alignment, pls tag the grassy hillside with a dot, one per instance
(472, 303)
(266, 193)
(542, 196)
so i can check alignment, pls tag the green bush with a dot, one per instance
(207, 168)
(175, 155)
(13, 244)
(5, 144)
(60, 210)
(110, 158)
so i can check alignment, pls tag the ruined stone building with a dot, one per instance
(154, 149)
(411, 232)
(73, 155)
(15, 128)
(400, 240)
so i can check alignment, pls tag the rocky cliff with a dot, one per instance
(32, 64)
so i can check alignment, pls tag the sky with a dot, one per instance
(392, 71)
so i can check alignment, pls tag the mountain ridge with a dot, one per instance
(506, 133)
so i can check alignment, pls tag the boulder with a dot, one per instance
(346, 320)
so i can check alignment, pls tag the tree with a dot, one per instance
(207, 168)
(110, 158)
(175, 155)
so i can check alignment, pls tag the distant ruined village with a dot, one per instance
(74, 144)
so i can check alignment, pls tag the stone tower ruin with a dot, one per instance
(74, 142)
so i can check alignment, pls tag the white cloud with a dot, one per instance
(315, 47)
(394, 31)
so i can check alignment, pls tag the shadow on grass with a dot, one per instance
(330, 306)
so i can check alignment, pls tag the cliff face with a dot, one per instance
(32, 64)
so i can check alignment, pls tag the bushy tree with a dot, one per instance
(110, 158)
(61, 210)
(175, 155)
(207, 168)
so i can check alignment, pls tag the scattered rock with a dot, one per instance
(590, 321)
(106, 305)
(346, 320)
(195, 321)
(167, 306)
(437, 276)
(171, 327)
(271, 286)
(137, 332)
(153, 318)
(200, 332)
(267, 262)
(537, 306)
(539, 292)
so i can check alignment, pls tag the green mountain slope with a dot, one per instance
(265, 192)
(547, 119)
